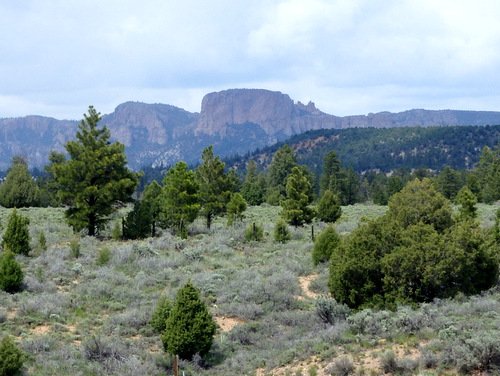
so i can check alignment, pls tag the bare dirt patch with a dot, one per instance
(227, 323)
(305, 283)
(41, 329)
(12, 314)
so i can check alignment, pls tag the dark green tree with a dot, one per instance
(394, 185)
(332, 174)
(324, 245)
(11, 273)
(180, 198)
(161, 313)
(152, 196)
(414, 253)
(235, 208)
(253, 189)
(254, 232)
(279, 170)
(215, 187)
(17, 237)
(138, 223)
(449, 182)
(11, 357)
(281, 232)
(328, 207)
(296, 209)
(47, 184)
(19, 189)
(467, 201)
(95, 180)
(189, 328)
(418, 202)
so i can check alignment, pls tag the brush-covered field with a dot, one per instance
(86, 304)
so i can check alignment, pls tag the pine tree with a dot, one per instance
(11, 357)
(95, 179)
(296, 210)
(160, 315)
(190, 327)
(215, 186)
(19, 189)
(324, 245)
(328, 208)
(468, 201)
(279, 170)
(281, 232)
(254, 186)
(17, 237)
(11, 274)
(137, 224)
(332, 174)
(153, 197)
(235, 208)
(179, 200)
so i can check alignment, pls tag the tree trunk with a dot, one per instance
(209, 220)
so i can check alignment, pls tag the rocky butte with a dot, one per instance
(235, 121)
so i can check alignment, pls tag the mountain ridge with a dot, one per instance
(234, 121)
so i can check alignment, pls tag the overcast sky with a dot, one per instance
(349, 57)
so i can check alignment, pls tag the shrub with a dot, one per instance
(190, 327)
(11, 274)
(329, 311)
(281, 232)
(388, 361)
(98, 350)
(159, 317)
(42, 241)
(235, 208)
(254, 232)
(328, 208)
(342, 367)
(11, 357)
(74, 247)
(326, 242)
(17, 238)
(104, 256)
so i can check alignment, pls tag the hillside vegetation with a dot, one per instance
(386, 149)
(236, 277)
(82, 316)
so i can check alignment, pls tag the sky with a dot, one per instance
(349, 57)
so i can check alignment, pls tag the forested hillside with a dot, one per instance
(386, 149)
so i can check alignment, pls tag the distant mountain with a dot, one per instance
(234, 121)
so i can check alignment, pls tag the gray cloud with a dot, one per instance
(350, 57)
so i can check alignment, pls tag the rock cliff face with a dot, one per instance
(233, 121)
(273, 111)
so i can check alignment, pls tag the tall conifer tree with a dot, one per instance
(95, 179)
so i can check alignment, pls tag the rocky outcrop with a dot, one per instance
(273, 111)
(233, 121)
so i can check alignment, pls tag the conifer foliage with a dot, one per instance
(11, 274)
(179, 204)
(95, 178)
(19, 189)
(215, 185)
(17, 237)
(296, 210)
(11, 357)
(189, 328)
(324, 245)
